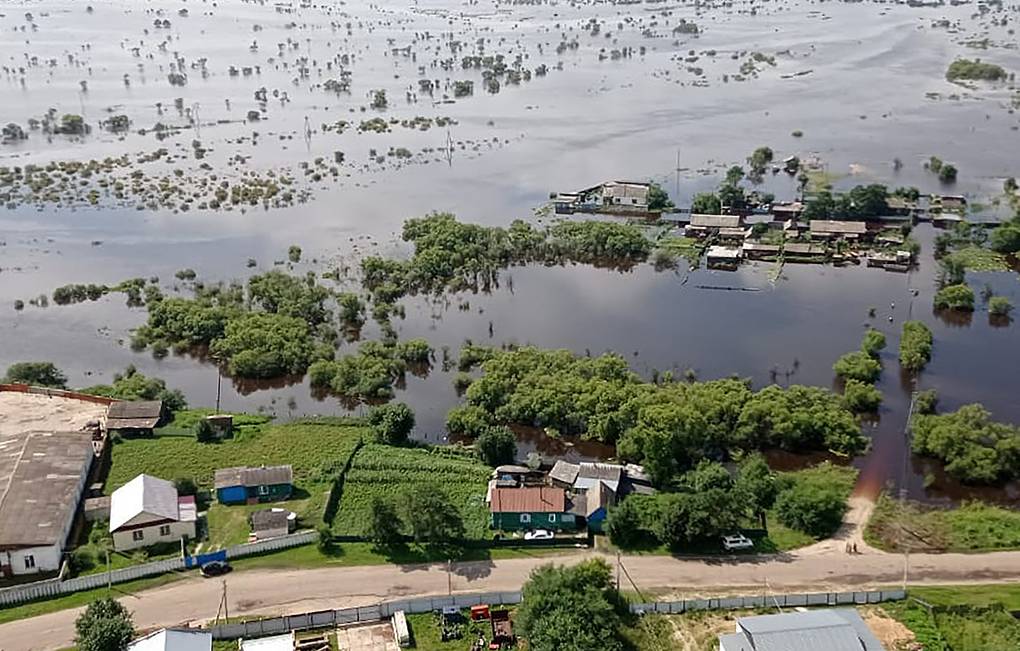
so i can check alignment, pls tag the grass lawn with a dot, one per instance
(317, 450)
(389, 473)
(985, 626)
(1006, 594)
(978, 258)
(425, 632)
(687, 247)
(971, 527)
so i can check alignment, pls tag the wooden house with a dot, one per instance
(531, 507)
(243, 485)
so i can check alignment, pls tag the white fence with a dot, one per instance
(55, 587)
(381, 611)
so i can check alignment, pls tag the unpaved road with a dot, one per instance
(292, 591)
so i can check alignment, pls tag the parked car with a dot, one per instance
(539, 534)
(736, 542)
(215, 568)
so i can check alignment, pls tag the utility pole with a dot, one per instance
(618, 571)
(219, 382)
(903, 484)
(109, 574)
(676, 192)
(449, 578)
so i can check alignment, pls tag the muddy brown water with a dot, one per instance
(874, 90)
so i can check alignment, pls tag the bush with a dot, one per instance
(1006, 238)
(497, 446)
(807, 508)
(392, 423)
(926, 401)
(974, 448)
(975, 70)
(859, 366)
(861, 397)
(467, 420)
(999, 306)
(83, 559)
(955, 297)
(204, 431)
(915, 345)
(104, 626)
(873, 342)
(43, 374)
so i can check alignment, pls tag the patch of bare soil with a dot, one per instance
(891, 633)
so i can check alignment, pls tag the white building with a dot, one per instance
(42, 477)
(169, 639)
(147, 511)
(836, 629)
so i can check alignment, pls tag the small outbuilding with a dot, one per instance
(271, 523)
(134, 418)
(169, 639)
(245, 485)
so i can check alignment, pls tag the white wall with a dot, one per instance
(123, 540)
(47, 559)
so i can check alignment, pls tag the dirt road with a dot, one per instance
(280, 591)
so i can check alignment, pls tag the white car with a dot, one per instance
(539, 534)
(736, 542)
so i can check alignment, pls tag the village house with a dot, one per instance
(147, 511)
(724, 257)
(531, 507)
(593, 505)
(243, 485)
(705, 225)
(787, 210)
(759, 250)
(42, 479)
(830, 229)
(803, 251)
(595, 487)
(625, 195)
(137, 418)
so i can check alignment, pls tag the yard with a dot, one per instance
(390, 473)
(317, 449)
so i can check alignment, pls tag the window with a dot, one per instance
(137, 535)
(552, 517)
(525, 517)
(29, 562)
(263, 490)
(164, 530)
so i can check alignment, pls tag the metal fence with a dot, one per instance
(382, 611)
(55, 587)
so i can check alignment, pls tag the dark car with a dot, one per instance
(215, 568)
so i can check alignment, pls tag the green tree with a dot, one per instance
(658, 198)
(955, 297)
(42, 374)
(759, 161)
(132, 385)
(185, 486)
(392, 423)
(265, 345)
(821, 206)
(861, 397)
(757, 487)
(570, 609)
(204, 431)
(873, 342)
(858, 365)
(811, 509)
(706, 203)
(294, 253)
(915, 345)
(104, 626)
(432, 517)
(926, 402)
(497, 446)
(1006, 238)
(385, 525)
(625, 523)
(468, 420)
(974, 448)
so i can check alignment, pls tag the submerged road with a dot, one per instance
(818, 568)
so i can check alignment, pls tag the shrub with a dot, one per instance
(186, 485)
(859, 366)
(873, 342)
(861, 397)
(926, 401)
(975, 70)
(392, 423)
(1006, 238)
(915, 345)
(204, 431)
(955, 297)
(43, 374)
(810, 509)
(467, 420)
(999, 306)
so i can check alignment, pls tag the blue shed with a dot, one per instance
(253, 485)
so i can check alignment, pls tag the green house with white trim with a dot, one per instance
(530, 507)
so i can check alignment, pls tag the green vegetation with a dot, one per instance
(862, 202)
(497, 446)
(957, 627)
(859, 366)
(706, 203)
(873, 342)
(373, 370)
(40, 374)
(971, 527)
(978, 258)
(999, 306)
(573, 608)
(265, 345)
(974, 70)
(814, 503)
(132, 385)
(861, 397)
(974, 448)
(915, 345)
(392, 424)
(104, 626)
(392, 474)
(1006, 238)
(668, 425)
(686, 247)
(658, 198)
(955, 297)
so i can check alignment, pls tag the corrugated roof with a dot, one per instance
(135, 409)
(40, 473)
(834, 226)
(269, 519)
(715, 221)
(564, 472)
(247, 476)
(143, 494)
(839, 629)
(531, 499)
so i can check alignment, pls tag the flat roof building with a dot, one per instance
(42, 478)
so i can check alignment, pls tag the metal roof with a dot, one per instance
(40, 481)
(173, 640)
(269, 519)
(834, 226)
(840, 629)
(532, 499)
(144, 494)
(716, 221)
(564, 472)
(246, 476)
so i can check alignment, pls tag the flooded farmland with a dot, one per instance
(362, 115)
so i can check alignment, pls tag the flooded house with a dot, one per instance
(952, 203)
(707, 225)
(723, 257)
(831, 229)
(611, 197)
(760, 250)
(787, 210)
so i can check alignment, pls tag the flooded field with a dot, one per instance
(361, 115)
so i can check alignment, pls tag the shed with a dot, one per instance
(169, 639)
(245, 485)
(723, 256)
(270, 523)
(787, 210)
(135, 417)
(596, 507)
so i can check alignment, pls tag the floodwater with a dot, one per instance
(864, 83)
